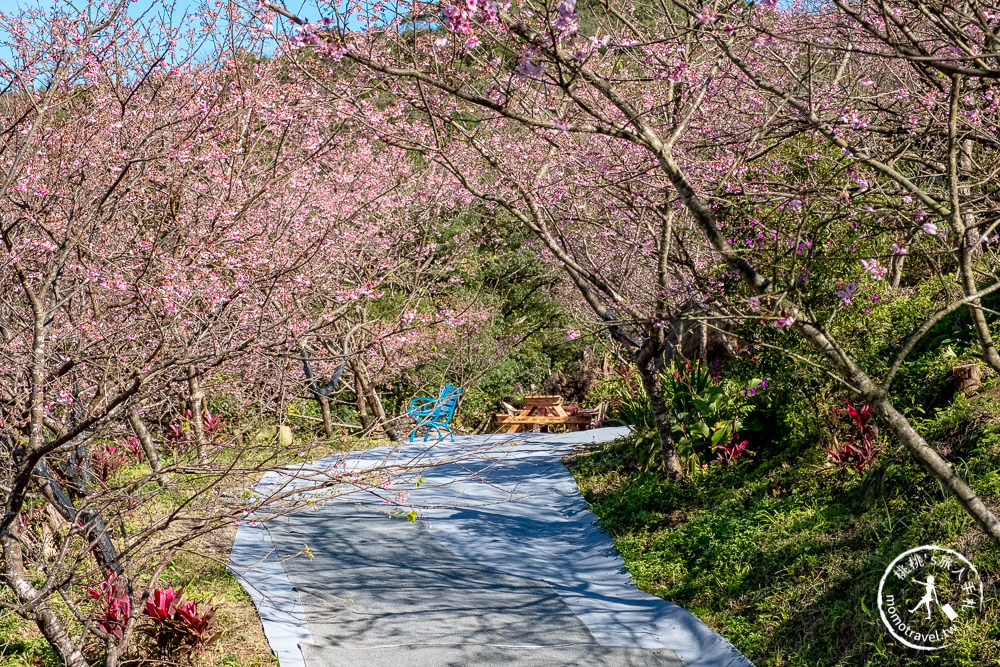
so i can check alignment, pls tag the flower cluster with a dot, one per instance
(106, 460)
(117, 610)
(526, 65)
(859, 452)
(730, 452)
(567, 18)
(872, 266)
(752, 391)
(847, 291)
(459, 17)
(177, 623)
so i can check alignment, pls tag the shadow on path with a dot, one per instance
(509, 568)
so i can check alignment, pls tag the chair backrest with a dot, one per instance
(446, 403)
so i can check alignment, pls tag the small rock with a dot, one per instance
(285, 437)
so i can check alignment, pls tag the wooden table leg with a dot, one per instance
(515, 428)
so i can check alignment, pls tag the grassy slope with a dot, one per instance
(242, 642)
(783, 557)
(200, 571)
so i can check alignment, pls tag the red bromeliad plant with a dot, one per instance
(134, 448)
(180, 434)
(106, 460)
(859, 452)
(114, 605)
(854, 455)
(159, 604)
(210, 422)
(177, 624)
(859, 417)
(729, 452)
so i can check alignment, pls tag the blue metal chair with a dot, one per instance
(435, 413)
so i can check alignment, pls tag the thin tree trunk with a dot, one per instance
(38, 611)
(661, 416)
(367, 396)
(940, 469)
(113, 657)
(196, 401)
(963, 223)
(703, 341)
(897, 270)
(968, 278)
(359, 392)
(146, 441)
(320, 392)
(324, 405)
(376, 404)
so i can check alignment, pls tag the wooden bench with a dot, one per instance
(547, 411)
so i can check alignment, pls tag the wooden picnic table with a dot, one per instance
(546, 411)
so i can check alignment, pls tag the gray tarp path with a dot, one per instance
(505, 566)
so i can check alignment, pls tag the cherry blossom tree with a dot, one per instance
(702, 107)
(902, 92)
(179, 216)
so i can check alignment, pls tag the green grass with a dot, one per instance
(204, 577)
(200, 569)
(21, 645)
(783, 558)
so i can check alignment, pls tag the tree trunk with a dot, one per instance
(940, 469)
(359, 392)
(324, 405)
(376, 405)
(990, 354)
(898, 261)
(146, 441)
(113, 657)
(368, 397)
(897, 270)
(38, 610)
(661, 416)
(963, 222)
(320, 392)
(703, 342)
(966, 246)
(196, 402)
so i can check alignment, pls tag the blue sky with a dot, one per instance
(141, 8)
(305, 8)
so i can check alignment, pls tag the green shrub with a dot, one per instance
(706, 414)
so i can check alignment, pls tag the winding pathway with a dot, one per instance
(505, 566)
